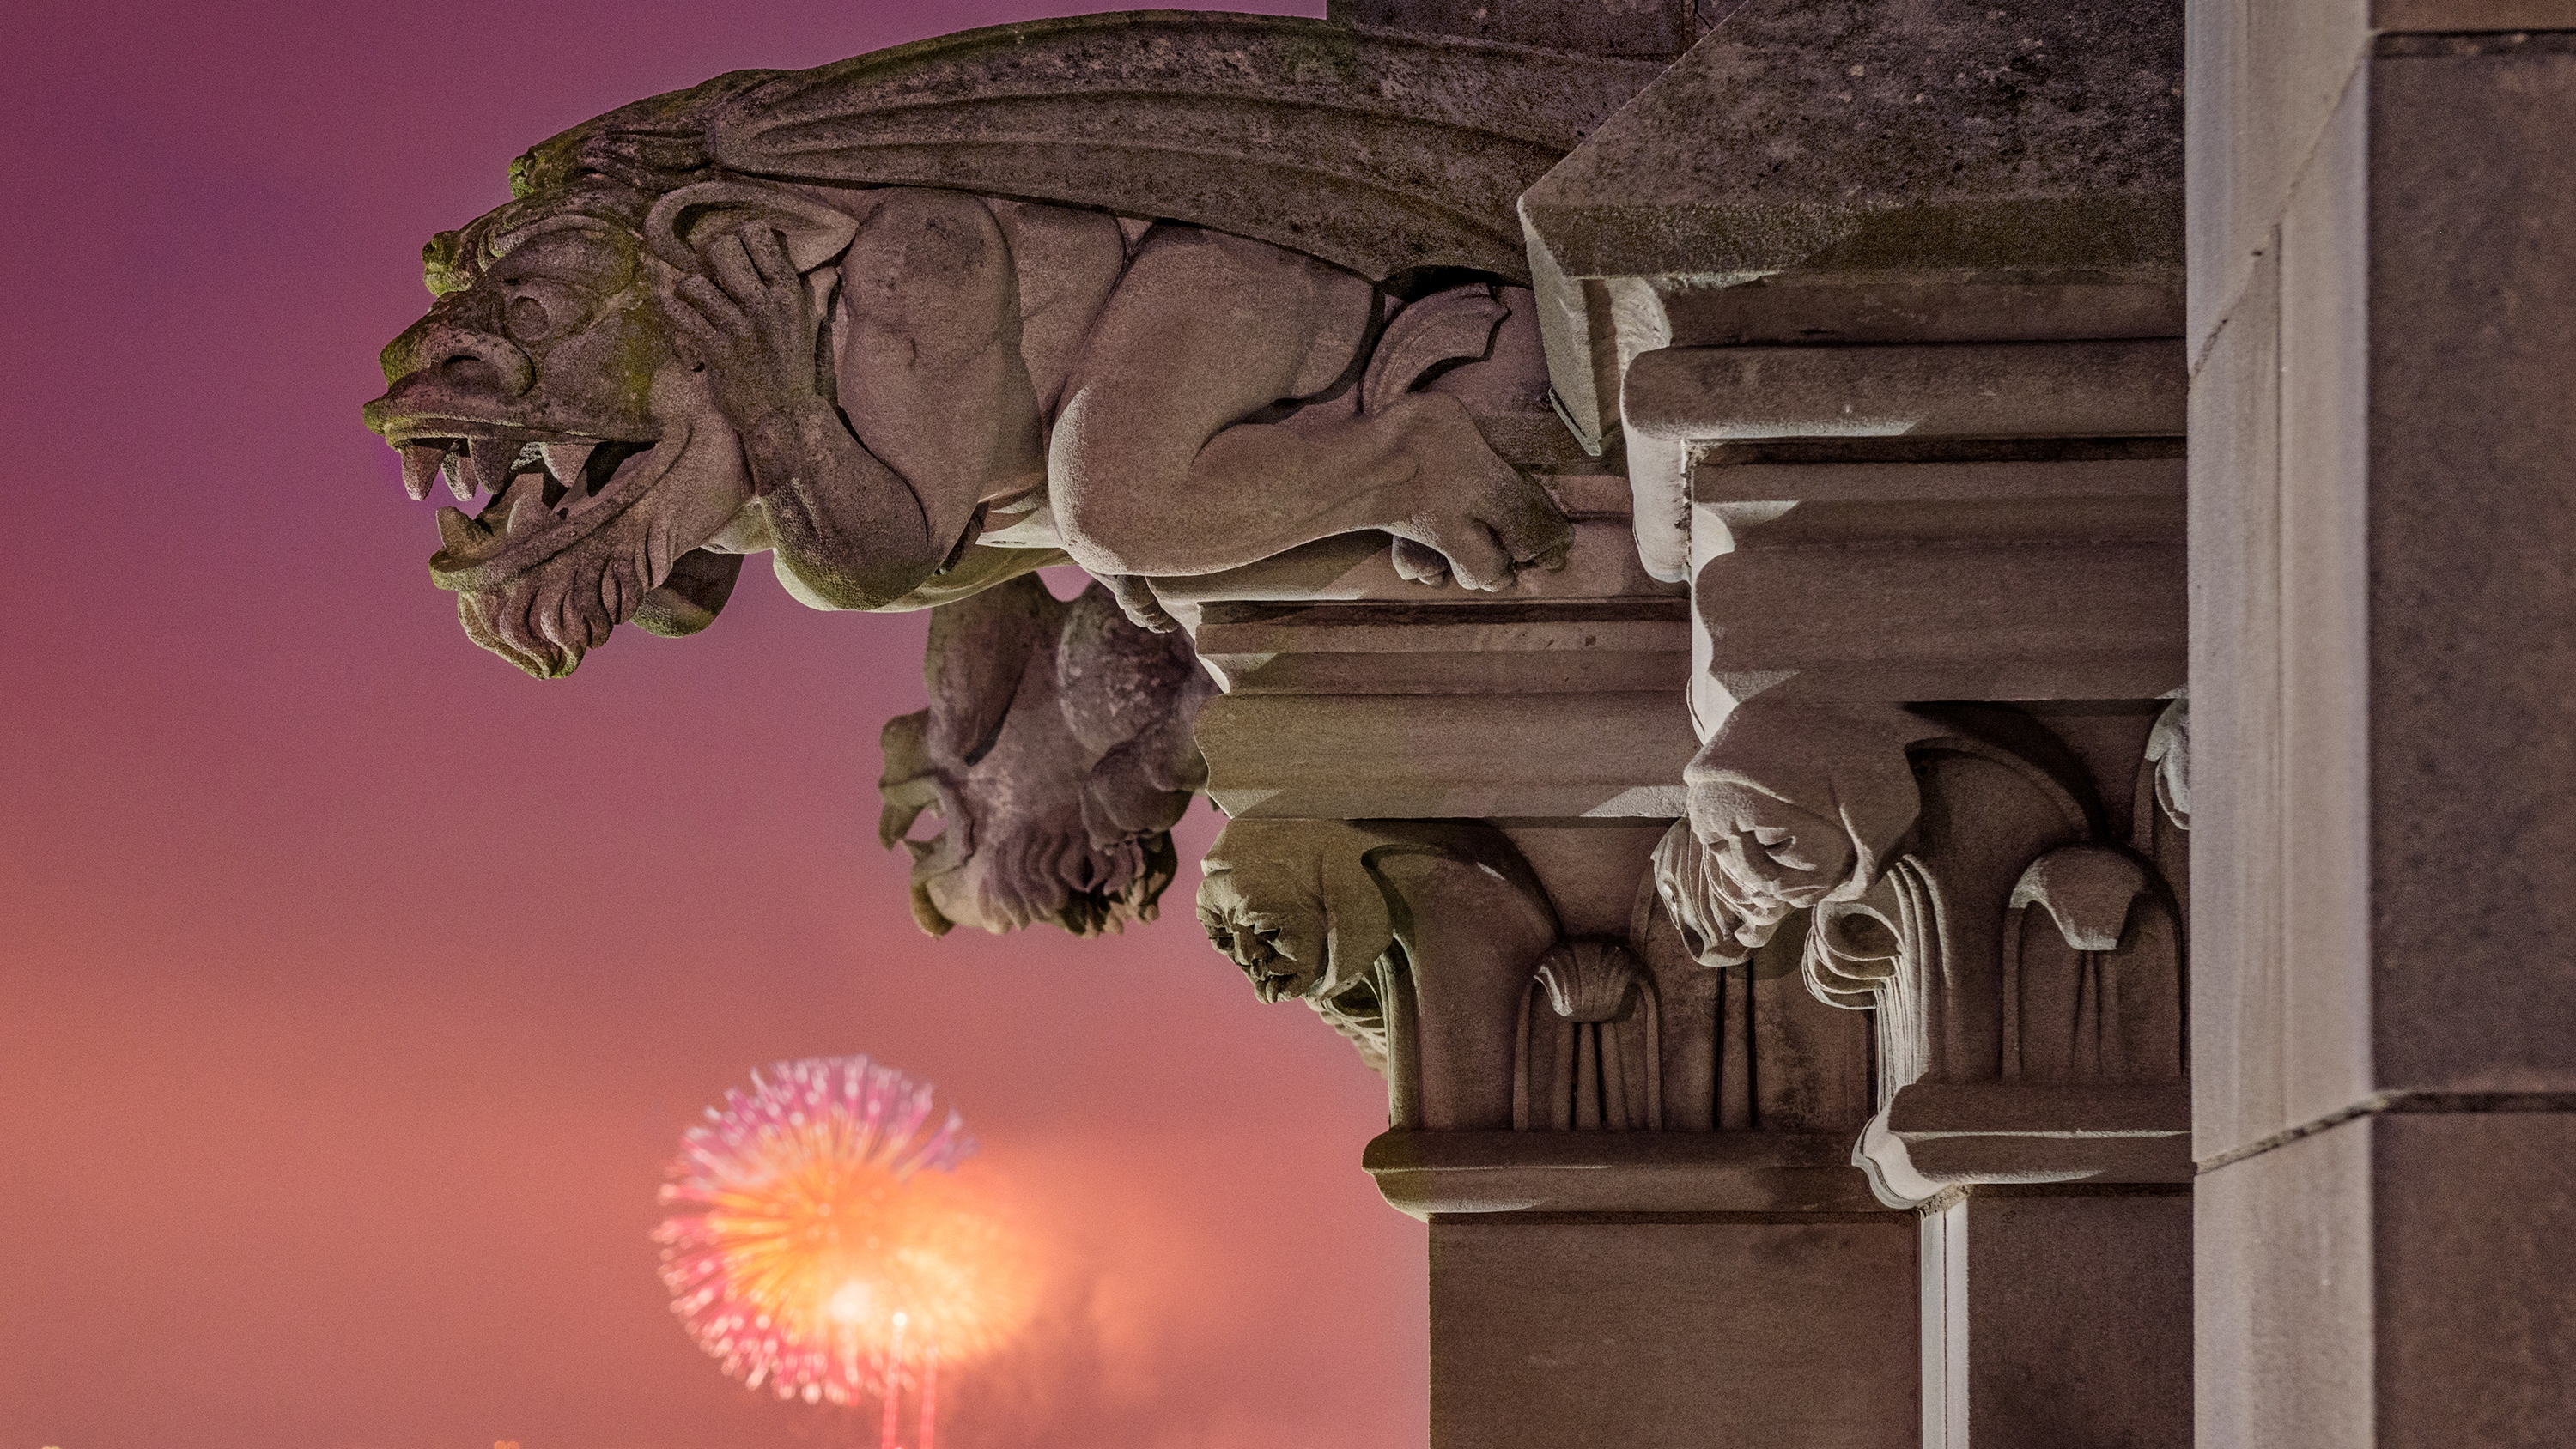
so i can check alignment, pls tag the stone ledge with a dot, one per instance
(2459, 16)
(1422, 1173)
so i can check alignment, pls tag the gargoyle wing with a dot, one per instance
(1380, 152)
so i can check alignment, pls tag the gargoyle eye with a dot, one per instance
(538, 311)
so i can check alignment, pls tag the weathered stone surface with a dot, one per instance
(1644, 28)
(1991, 390)
(1666, 1334)
(1602, 756)
(2453, 17)
(1864, 138)
(2396, 1279)
(1855, 173)
(2264, 78)
(2380, 595)
(2473, 1318)
(2283, 1303)
(2471, 528)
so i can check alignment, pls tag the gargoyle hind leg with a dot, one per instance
(1152, 472)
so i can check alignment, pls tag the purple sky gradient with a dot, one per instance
(355, 988)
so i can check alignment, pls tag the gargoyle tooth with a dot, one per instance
(420, 465)
(490, 461)
(566, 460)
(528, 511)
(460, 534)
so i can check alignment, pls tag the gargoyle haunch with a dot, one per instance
(1172, 294)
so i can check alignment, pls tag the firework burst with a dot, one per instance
(821, 1247)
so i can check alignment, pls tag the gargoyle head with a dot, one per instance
(1056, 753)
(1005, 858)
(544, 377)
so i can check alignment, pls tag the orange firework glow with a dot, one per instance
(825, 1250)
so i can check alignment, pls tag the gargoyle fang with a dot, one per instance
(420, 465)
(489, 464)
(567, 462)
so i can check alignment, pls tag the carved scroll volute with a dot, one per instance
(1418, 934)
(1589, 1050)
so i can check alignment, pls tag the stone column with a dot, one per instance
(2383, 304)
(1884, 305)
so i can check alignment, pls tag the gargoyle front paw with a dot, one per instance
(1485, 543)
(1136, 600)
(1474, 511)
(1420, 563)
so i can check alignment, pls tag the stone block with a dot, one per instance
(2282, 1266)
(2058, 1321)
(1860, 138)
(1591, 869)
(2281, 1003)
(2012, 620)
(2472, 563)
(2324, 620)
(2264, 77)
(1661, 1334)
(2399, 1279)
(2475, 1290)
(1881, 569)
(1428, 1174)
(1361, 756)
(2238, 1065)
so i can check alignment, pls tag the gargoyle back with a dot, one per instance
(1379, 152)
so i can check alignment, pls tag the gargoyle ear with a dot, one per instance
(692, 216)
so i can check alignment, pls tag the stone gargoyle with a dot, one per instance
(1056, 752)
(1173, 293)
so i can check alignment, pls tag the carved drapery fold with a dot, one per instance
(1589, 1051)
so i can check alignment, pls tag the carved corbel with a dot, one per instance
(1418, 937)
(2023, 969)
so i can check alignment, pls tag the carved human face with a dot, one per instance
(1777, 856)
(541, 378)
(1267, 927)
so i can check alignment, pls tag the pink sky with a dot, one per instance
(355, 988)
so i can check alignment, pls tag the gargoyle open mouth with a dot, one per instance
(546, 494)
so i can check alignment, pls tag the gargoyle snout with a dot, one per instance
(465, 358)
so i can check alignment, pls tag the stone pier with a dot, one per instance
(2383, 1003)
(1908, 666)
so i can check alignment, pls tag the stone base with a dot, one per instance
(2058, 1318)
(1659, 1331)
